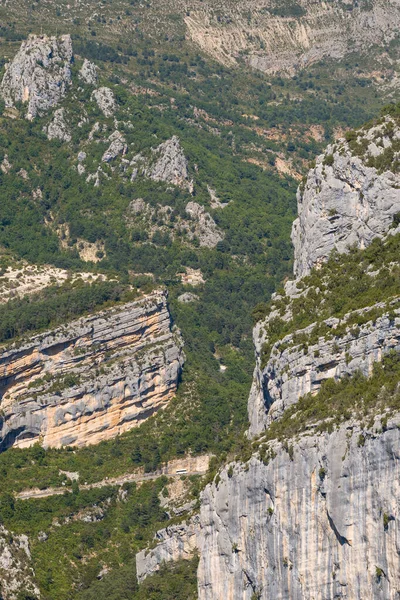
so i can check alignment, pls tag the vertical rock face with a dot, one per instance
(92, 379)
(178, 542)
(345, 202)
(321, 523)
(321, 526)
(39, 74)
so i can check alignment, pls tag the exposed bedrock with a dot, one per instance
(91, 379)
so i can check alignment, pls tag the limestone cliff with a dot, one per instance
(320, 524)
(91, 379)
(351, 197)
(39, 74)
(315, 516)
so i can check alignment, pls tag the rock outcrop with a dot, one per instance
(167, 163)
(294, 369)
(99, 376)
(39, 74)
(88, 72)
(177, 542)
(205, 228)
(117, 147)
(58, 128)
(345, 202)
(105, 99)
(16, 574)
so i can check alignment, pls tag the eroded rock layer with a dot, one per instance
(91, 379)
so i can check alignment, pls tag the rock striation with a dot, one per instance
(39, 74)
(322, 524)
(92, 379)
(294, 370)
(275, 37)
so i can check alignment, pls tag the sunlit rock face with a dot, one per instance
(91, 379)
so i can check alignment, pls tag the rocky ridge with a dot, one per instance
(285, 37)
(88, 381)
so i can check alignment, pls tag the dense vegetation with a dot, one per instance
(57, 305)
(104, 526)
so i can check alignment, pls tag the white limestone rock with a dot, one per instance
(16, 573)
(58, 128)
(166, 163)
(205, 228)
(88, 72)
(346, 203)
(188, 297)
(105, 99)
(116, 148)
(39, 74)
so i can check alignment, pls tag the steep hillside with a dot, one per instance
(312, 510)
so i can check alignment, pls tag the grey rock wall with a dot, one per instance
(345, 203)
(320, 524)
(324, 525)
(293, 370)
